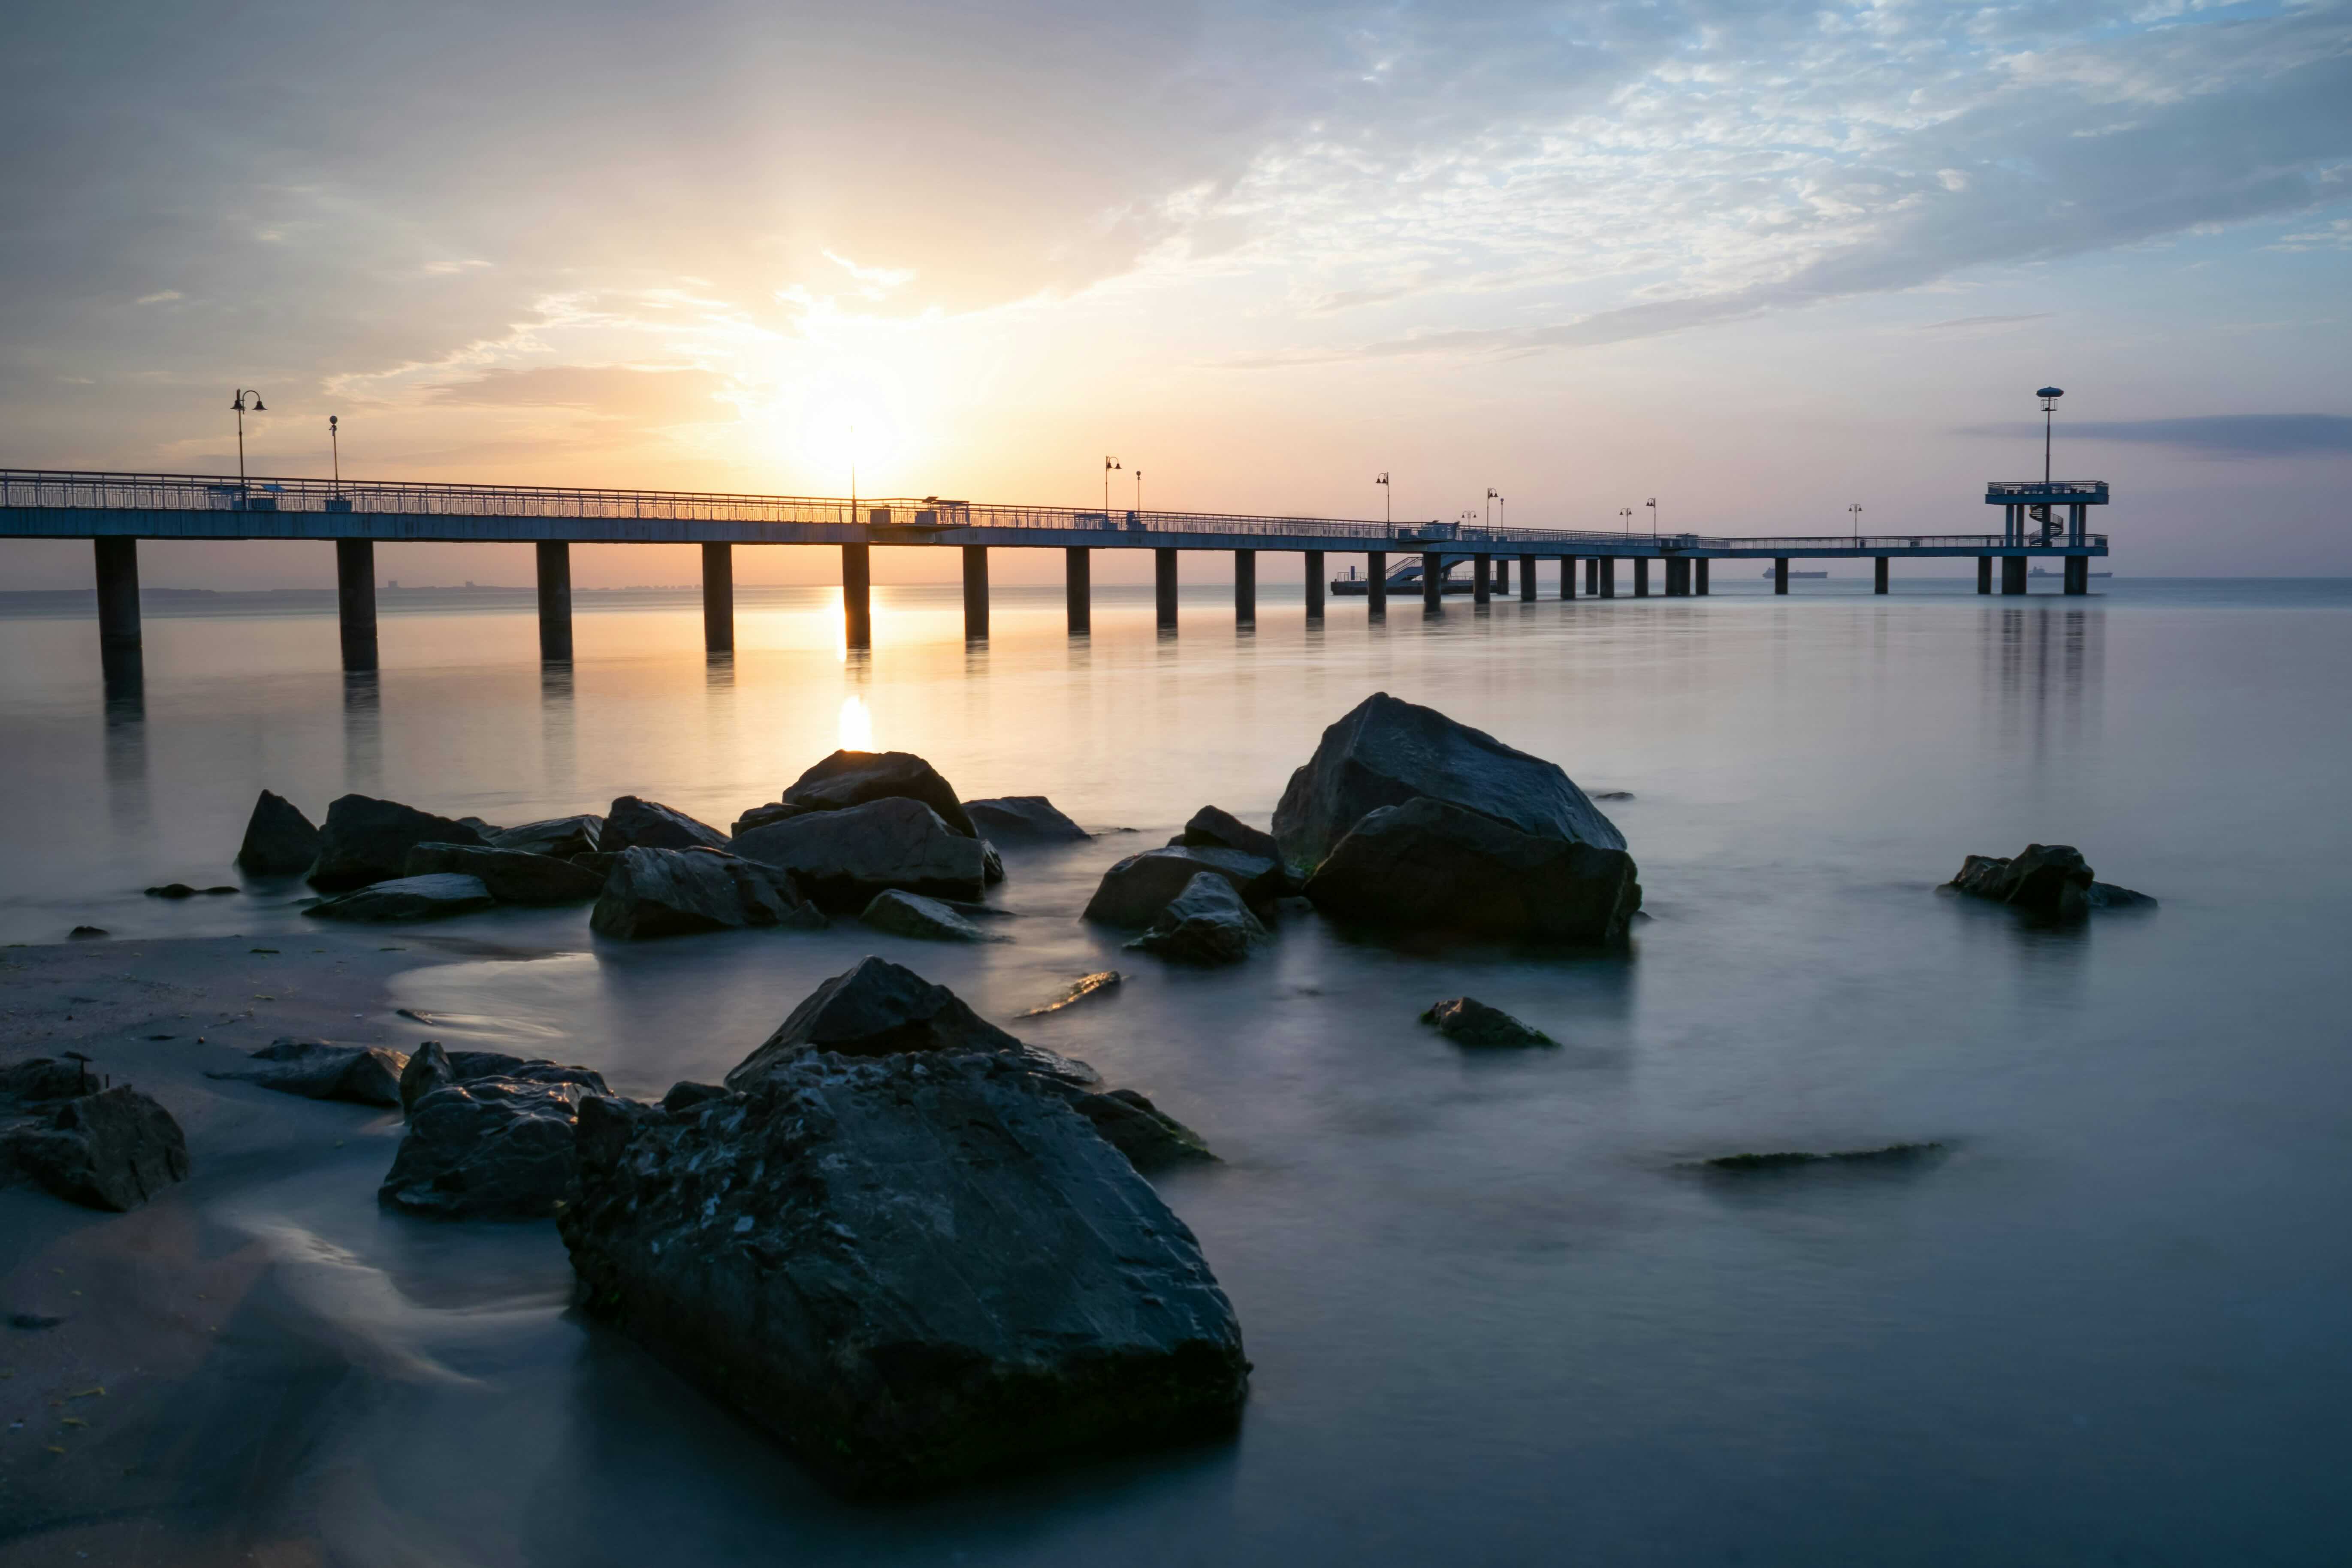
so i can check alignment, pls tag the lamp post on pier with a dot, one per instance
(335, 447)
(1857, 510)
(1388, 501)
(1492, 497)
(1652, 504)
(240, 405)
(1626, 512)
(1111, 466)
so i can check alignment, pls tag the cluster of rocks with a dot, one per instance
(103, 1145)
(490, 1136)
(2050, 881)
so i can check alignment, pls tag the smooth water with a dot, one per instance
(1495, 1318)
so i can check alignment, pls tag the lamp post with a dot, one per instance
(1652, 504)
(1857, 510)
(335, 446)
(1111, 466)
(240, 405)
(1491, 498)
(2050, 396)
(1627, 513)
(1138, 493)
(1388, 502)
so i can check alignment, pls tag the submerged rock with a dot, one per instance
(635, 824)
(320, 1070)
(675, 892)
(1212, 828)
(1134, 892)
(1081, 988)
(1467, 1021)
(847, 779)
(279, 841)
(1759, 1164)
(367, 840)
(561, 837)
(1205, 924)
(1022, 820)
(913, 1270)
(430, 898)
(844, 857)
(1431, 865)
(512, 876)
(878, 1008)
(487, 1148)
(101, 1148)
(433, 1066)
(2047, 880)
(1149, 1138)
(928, 920)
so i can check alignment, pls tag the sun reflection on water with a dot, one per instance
(857, 726)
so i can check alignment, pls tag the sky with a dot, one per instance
(1759, 261)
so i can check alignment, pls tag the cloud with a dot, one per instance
(2210, 434)
(1962, 322)
(608, 391)
(166, 297)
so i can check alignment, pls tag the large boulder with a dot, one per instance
(1212, 827)
(99, 1147)
(844, 857)
(512, 876)
(561, 837)
(1134, 892)
(485, 1148)
(913, 1270)
(878, 1008)
(429, 898)
(674, 892)
(633, 824)
(1385, 752)
(434, 1066)
(1431, 865)
(1022, 820)
(1205, 924)
(279, 841)
(846, 779)
(368, 840)
(2051, 880)
(320, 1070)
(897, 913)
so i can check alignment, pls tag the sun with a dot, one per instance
(848, 427)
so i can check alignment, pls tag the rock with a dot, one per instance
(910, 914)
(1467, 1021)
(489, 830)
(84, 932)
(675, 892)
(101, 1148)
(435, 1066)
(1205, 924)
(914, 1271)
(2048, 879)
(319, 1069)
(171, 890)
(2107, 896)
(878, 1008)
(1149, 1138)
(849, 779)
(1081, 988)
(279, 841)
(775, 810)
(1385, 752)
(844, 857)
(367, 840)
(512, 876)
(561, 837)
(1212, 828)
(635, 824)
(432, 897)
(685, 1095)
(1431, 865)
(485, 1148)
(1609, 795)
(1757, 1165)
(1134, 892)
(1022, 820)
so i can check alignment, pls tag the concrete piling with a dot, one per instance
(1878, 574)
(858, 595)
(1700, 586)
(1780, 573)
(1432, 581)
(1376, 588)
(1527, 579)
(355, 601)
(1244, 587)
(2012, 573)
(117, 563)
(1481, 579)
(1604, 572)
(975, 593)
(1314, 585)
(2078, 574)
(1568, 576)
(1163, 588)
(1641, 576)
(554, 600)
(1984, 574)
(717, 598)
(1077, 588)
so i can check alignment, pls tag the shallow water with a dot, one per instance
(1494, 1318)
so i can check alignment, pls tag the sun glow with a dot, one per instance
(857, 726)
(844, 424)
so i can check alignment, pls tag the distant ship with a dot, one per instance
(2046, 571)
(1768, 571)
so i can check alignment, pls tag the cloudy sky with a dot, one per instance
(1758, 260)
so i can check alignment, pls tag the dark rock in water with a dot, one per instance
(927, 920)
(512, 876)
(433, 1066)
(367, 840)
(878, 1008)
(1205, 924)
(2107, 896)
(561, 837)
(1086, 985)
(775, 810)
(1386, 752)
(101, 1148)
(84, 932)
(171, 890)
(1467, 1021)
(279, 841)
(1433, 865)
(1134, 892)
(1609, 795)
(33, 1321)
(319, 1069)
(217, 891)
(1757, 1164)
(2047, 880)
(675, 892)
(1022, 820)
(914, 1271)
(1212, 828)
(485, 1148)
(1149, 1138)
(432, 897)
(633, 824)
(685, 1095)
(844, 857)
(489, 830)
(847, 779)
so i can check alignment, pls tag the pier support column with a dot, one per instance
(1244, 587)
(1314, 585)
(1780, 573)
(1592, 575)
(1677, 577)
(1604, 572)
(858, 595)
(1432, 583)
(1527, 579)
(119, 656)
(717, 598)
(1878, 574)
(1481, 579)
(2078, 574)
(355, 601)
(1568, 576)
(1078, 588)
(1163, 588)
(1701, 565)
(1376, 582)
(2012, 574)
(1641, 576)
(554, 601)
(975, 593)
(1984, 574)
(1503, 575)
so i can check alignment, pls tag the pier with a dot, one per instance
(115, 511)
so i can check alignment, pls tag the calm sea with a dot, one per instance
(1494, 1318)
